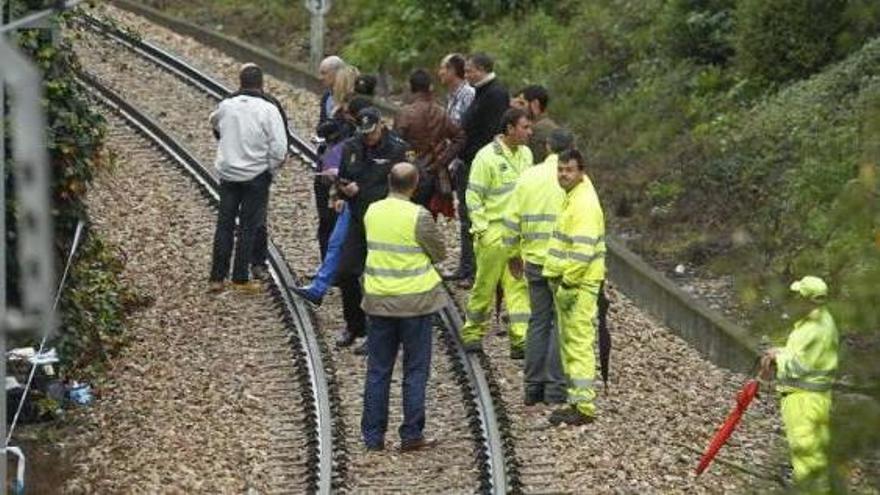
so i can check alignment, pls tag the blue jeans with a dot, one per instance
(327, 271)
(385, 335)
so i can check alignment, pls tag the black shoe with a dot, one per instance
(554, 399)
(417, 444)
(569, 416)
(345, 338)
(533, 397)
(472, 347)
(379, 447)
(304, 293)
(361, 350)
(260, 272)
(517, 353)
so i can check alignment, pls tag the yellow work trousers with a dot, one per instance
(807, 419)
(576, 310)
(491, 257)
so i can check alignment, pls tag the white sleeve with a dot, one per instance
(277, 133)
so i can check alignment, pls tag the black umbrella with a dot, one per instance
(604, 334)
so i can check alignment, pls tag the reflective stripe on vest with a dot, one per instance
(396, 265)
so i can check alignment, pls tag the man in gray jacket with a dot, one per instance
(253, 144)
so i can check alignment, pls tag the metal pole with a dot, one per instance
(3, 459)
(317, 40)
(319, 9)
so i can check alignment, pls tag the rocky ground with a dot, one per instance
(197, 402)
(664, 400)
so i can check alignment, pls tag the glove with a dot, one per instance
(566, 297)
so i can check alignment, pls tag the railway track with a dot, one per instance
(310, 458)
(476, 451)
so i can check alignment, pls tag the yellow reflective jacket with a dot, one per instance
(531, 214)
(576, 251)
(493, 176)
(809, 359)
(396, 264)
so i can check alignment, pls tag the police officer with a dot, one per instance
(493, 177)
(363, 179)
(805, 370)
(575, 266)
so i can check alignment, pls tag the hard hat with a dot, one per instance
(810, 287)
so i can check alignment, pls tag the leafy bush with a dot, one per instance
(700, 30)
(782, 40)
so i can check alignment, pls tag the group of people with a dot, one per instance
(532, 231)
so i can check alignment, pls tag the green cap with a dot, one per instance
(810, 287)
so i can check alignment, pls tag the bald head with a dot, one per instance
(328, 68)
(403, 178)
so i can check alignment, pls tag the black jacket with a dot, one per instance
(369, 167)
(482, 120)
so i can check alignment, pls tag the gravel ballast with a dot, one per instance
(197, 402)
(663, 404)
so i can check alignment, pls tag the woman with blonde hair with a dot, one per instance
(343, 87)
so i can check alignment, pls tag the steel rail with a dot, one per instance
(494, 452)
(281, 274)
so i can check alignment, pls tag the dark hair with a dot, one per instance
(456, 63)
(511, 117)
(536, 92)
(573, 154)
(251, 77)
(560, 140)
(420, 81)
(358, 103)
(365, 84)
(403, 182)
(482, 61)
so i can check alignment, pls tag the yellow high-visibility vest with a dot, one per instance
(396, 264)
(576, 252)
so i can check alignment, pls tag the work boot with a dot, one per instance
(248, 286)
(216, 286)
(472, 347)
(517, 353)
(378, 447)
(361, 350)
(533, 396)
(260, 272)
(345, 338)
(306, 293)
(417, 444)
(570, 416)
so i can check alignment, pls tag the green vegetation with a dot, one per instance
(95, 300)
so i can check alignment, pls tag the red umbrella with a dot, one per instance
(743, 399)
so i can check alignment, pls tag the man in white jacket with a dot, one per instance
(252, 145)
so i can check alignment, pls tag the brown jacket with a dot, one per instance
(434, 138)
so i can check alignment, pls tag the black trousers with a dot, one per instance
(326, 215)
(466, 259)
(351, 267)
(247, 200)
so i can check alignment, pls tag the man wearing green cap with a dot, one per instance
(805, 370)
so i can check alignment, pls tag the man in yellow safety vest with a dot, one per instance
(402, 291)
(575, 266)
(493, 176)
(531, 215)
(805, 370)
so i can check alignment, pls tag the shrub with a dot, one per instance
(781, 40)
(699, 30)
